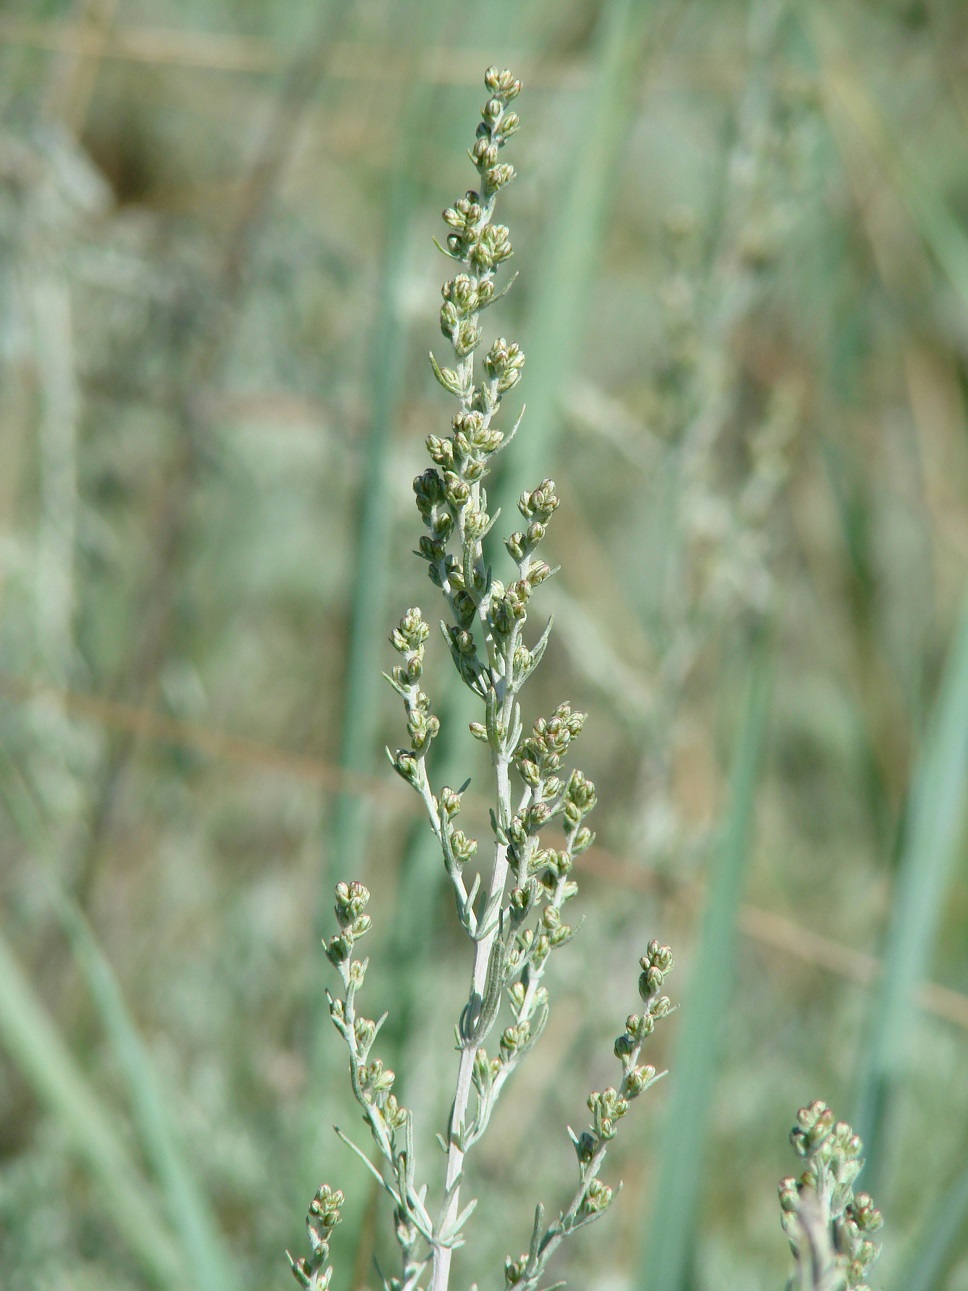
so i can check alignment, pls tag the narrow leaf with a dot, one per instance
(33, 1042)
(665, 1261)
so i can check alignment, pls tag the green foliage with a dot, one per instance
(742, 294)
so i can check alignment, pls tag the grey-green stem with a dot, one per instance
(482, 953)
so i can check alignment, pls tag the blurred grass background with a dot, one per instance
(743, 252)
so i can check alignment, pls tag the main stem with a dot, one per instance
(482, 954)
(482, 948)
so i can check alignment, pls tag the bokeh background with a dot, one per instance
(741, 236)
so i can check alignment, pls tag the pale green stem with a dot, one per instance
(482, 953)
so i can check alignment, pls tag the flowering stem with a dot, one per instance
(515, 921)
(456, 1149)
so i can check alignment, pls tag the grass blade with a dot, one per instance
(195, 1225)
(935, 813)
(35, 1045)
(202, 1247)
(664, 1263)
(933, 1258)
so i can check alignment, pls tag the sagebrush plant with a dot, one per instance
(513, 913)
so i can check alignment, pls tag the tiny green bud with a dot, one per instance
(449, 802)
(405, 1229)
(359, 926)
(407, 766)
(484, 155)
(449, 318)
(638, 1079)
(481, 1071)
(505, 359)
(581, 841)
(514, 1038)
(394, 1114)
(364, 1030)
(338, 950)
(430, 549)
(514, 1271)
(502, 83)
(521, 901)
(865, 1214)
(462, 292)
(650, 981)
(351, 899)
(528, 772)
(467, 339)
(462, 847)
(541, 503)
(540, 949)
(440, 450)
(559, 935)
(500, 176)
(515, 546)
(462, 642)
(536, 817)
(597, 1200)
(789, 1195)
(476, 522)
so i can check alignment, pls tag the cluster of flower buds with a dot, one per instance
(351, 899)
(314, 1273)
(819, 1209)
(375, 1082)
(608, 1107)
(538, 757)
(503, 364)
(656, 965)
(537, 507)
(596, 1200)
(482, 246)
(409, 640)
(578, 801)
(450, 499)
(544, 875)
(509, 605)
(538, 760)
(460, 847)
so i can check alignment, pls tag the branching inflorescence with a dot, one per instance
(829, 1227)
(515, 916)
